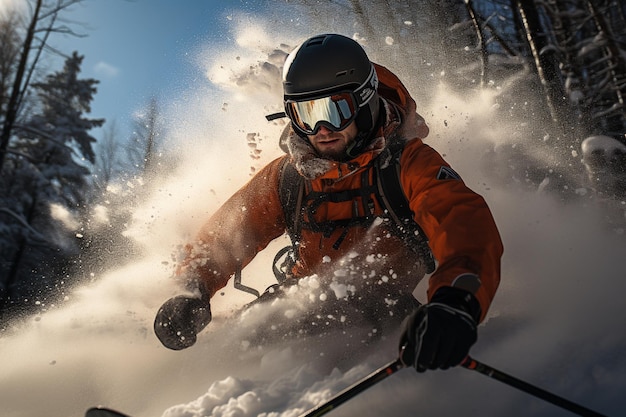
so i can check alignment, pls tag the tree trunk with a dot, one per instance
(484, 58)
(12, 278)
(616, 66)
(14, 102)
(546, 64)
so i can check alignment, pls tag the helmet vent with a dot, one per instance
(344, 73)
(318, 40)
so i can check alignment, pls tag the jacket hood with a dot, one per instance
(401, 122)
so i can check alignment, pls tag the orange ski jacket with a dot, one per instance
(462, 233)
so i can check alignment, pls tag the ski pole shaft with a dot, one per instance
(355, 389)
(477, 366)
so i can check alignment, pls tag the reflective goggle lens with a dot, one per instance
(335, 112)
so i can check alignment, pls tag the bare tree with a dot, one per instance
(9, 50)
(108, 163)
(43, 21)
(141, 150)
(588, 39)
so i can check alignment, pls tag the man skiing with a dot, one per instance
(350, 120)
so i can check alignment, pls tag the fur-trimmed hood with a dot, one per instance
(402, 122)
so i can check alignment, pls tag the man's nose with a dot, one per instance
(324, 131)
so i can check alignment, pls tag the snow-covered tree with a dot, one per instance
(57, 136)
(45, 184)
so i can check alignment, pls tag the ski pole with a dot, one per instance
(474, 365)
(355, 389)
(103, 412)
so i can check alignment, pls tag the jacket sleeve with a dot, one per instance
(461, 230)
(243, 226)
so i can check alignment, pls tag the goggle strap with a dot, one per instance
(365, 91)
(275, 116)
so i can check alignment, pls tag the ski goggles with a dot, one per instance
(335, 111)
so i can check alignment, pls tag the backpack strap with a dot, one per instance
(291, 193)
(392, 197)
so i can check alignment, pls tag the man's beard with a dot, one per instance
(340, 155)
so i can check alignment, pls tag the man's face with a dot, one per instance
(333, 145)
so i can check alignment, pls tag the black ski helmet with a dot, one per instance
(330, 63)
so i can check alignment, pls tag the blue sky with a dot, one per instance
(143, 48)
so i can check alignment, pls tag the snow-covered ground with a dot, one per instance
(558, 319)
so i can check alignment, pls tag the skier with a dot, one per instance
(351, 118)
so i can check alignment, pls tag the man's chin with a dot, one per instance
(336, 151)
(338, 156)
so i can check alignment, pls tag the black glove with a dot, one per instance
(180, 319)
(439, 334)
